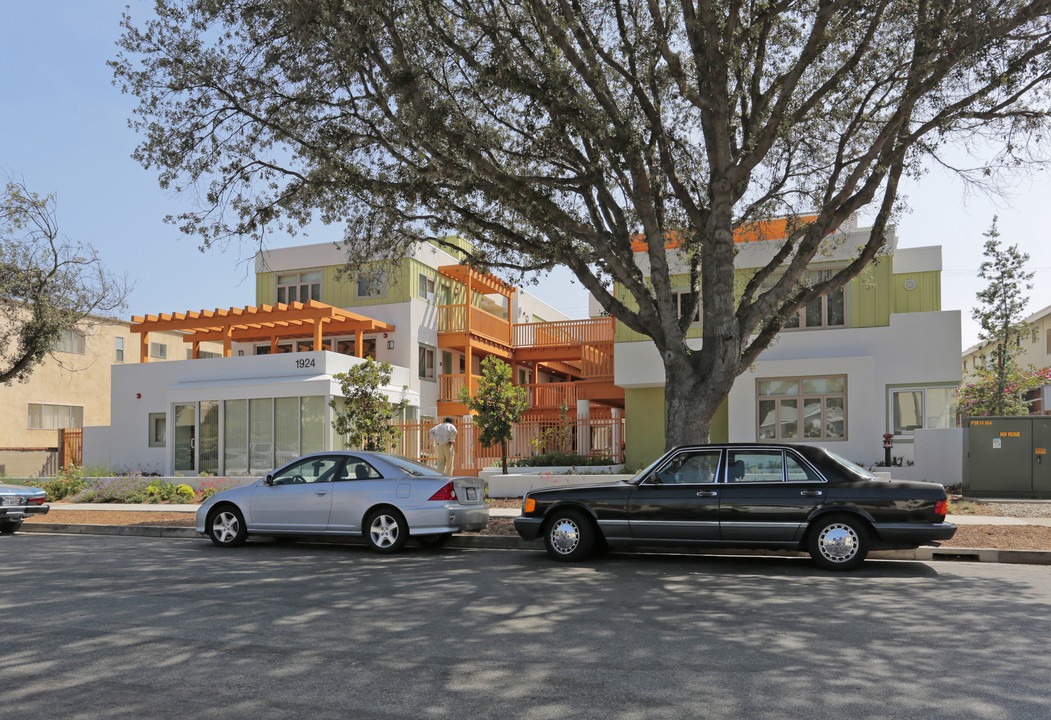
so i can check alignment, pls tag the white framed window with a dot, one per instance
(158, 430)
(682, 299)
(119, 349)
(802, 408)
(372, 283)
(71, 341)
(159, 350)
(917, 408)
(827, 311)
(299, 287)
(425, 287)
(426, 362)
(55, 417)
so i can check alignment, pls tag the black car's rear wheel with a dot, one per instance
(838, 542)
(226, 526)
(386, 530)
(569, 536)
(9, 526)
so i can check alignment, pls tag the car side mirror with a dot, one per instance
(269, 480)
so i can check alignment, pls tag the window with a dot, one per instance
(426, 362)
(158, 350)
(766, 466)
(299, 287)
(311, 470)
(372, 283)
(690, 468)
(426, 287)
(55, 417)
(827, 311)
(158, 430)
(916, 408)
(70, 341)
(808, 408)
(119, 352)
(682, 299)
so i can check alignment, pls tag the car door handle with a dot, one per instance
(321, 493)
(707, 493)
(812, 493)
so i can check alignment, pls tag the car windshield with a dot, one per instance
(852, 467)
(411, 466)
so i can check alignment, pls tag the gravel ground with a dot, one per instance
(1002, 537)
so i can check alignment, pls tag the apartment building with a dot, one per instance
(1034, 349)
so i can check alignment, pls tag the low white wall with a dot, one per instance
(504, 486)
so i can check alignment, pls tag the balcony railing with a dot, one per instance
(449, 387)
(454, 318)
(551, 395)
(565, 332)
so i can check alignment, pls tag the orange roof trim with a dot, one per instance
(776, 229)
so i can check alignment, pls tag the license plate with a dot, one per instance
(12, 500)
(472, 494)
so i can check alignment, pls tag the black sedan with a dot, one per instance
(788, 497)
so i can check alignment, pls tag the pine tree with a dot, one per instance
(1001, 314)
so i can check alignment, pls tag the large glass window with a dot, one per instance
(235, 437)
(260, 436)
(299, 287)
(55, 417)
(312, 423)
(828, 311)
(286, 430)
(71, 341)
(925, 407)
(372, 283)
(806, 408)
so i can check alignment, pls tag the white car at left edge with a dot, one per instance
(16, 502)
(384, 498)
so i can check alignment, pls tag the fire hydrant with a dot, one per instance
(888, 443)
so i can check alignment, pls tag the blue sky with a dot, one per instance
(63, 129)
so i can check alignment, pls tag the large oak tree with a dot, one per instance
(554, 132)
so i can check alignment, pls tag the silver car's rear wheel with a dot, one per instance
(9, 526)
(226, 526)
(838, 543)
(386, 530)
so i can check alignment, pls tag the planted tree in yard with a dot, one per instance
(1001, 319)
(48, 283)
(987, 393)
(365, 413)
(499, 404)
(552, 133)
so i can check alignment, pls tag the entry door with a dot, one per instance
(1041, 457)
(680, 500)
(185, 449)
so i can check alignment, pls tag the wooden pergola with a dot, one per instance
(271, 323)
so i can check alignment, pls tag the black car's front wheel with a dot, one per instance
(569, 536)
(838, 542)
(226, 526)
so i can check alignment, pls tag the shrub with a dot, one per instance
(558, 458)
(129, 489)
(207, 492)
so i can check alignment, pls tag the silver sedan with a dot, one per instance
(16, 502)
(384, 498)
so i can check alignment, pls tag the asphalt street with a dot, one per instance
(130, 627)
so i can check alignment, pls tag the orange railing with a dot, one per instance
(566, 332)
(449, 387)
(551, 395)
(593, 436)
(454, 318)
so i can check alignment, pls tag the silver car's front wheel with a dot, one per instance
(838, 543)
(386, 531)
(226, 526)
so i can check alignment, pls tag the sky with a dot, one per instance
(63, 130)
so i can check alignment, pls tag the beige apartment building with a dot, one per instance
(71, 389)
(1035, 350)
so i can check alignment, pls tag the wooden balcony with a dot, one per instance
(562, 340)
(457, 322)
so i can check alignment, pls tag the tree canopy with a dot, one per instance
(48, 283)
(365, 413)
(499, 405)
(553, 133)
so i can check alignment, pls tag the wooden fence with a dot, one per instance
(592, 437)
(71, 446)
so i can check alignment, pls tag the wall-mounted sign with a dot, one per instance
(996, 443)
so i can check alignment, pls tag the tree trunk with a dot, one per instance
(690, 402)
(503, 454)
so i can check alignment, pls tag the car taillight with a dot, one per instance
(448, 492)
(37, 501)
(941, 507)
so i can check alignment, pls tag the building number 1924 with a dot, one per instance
(305, 363)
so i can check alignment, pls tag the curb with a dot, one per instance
(510, 542)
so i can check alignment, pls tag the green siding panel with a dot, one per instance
(643, 426)
(265, 288)
(924, 297)
(720, 431)
(869, 296)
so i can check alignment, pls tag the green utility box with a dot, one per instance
(1007, 457)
